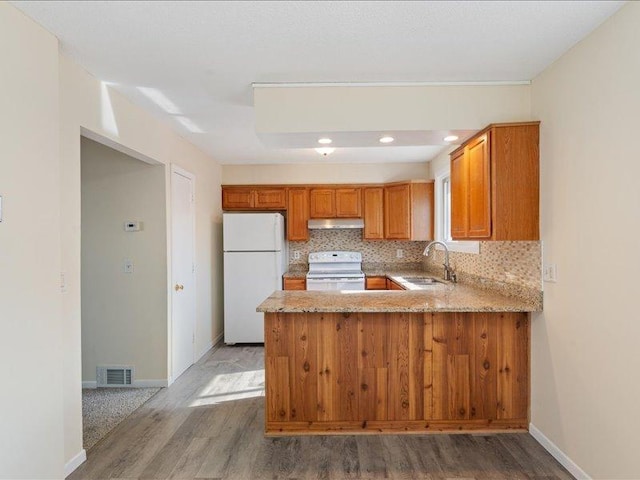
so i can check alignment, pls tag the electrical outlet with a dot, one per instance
(399, 253)
(128, 266)
(63, 282)
(296, 255)
(550, 273)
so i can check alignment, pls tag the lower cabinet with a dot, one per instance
(391, 285)
(294, 284)
(375, 283)
(396, 372)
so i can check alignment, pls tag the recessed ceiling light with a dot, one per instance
(324, 141)
(451, 138)
(386, 139)
(325, 151)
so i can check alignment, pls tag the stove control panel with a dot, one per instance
(335, 257)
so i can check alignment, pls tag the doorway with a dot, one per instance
(123, 284)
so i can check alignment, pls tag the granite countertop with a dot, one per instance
(441, 298)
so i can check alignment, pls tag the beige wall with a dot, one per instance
(31, 428)
(124, 315)
(88, 104)
(585, 345)
(380, 108)
(323, 173)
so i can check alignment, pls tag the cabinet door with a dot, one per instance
(270, 199)
(295, 284)
(479, 187)
(397, 212)
(459, 196)
(376, 283)
(237, 198)
(373, 213)
(323, 203)
(348, 202)
(298, 214)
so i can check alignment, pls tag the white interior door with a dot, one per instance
(183, 304)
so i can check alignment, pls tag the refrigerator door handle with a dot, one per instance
(275, 228)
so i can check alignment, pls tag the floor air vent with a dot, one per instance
(115, 376)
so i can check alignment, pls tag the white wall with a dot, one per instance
(585, 359)
(323, 173)
(124, 315)
(31, 428)
(87, 103)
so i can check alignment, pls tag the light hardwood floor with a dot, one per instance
(209, 425)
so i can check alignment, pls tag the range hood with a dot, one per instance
(335, 223)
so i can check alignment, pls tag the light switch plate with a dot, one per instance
(550, 273)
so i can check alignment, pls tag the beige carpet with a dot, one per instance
(104, 408)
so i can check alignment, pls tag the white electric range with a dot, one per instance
(335, 271)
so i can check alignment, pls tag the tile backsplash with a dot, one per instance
(379, 251)
(516, 263)
(514, 267)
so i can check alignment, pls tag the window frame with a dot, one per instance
(440, 178)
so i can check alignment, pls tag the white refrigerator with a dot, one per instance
(254, 262)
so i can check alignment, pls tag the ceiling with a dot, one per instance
(204, 56)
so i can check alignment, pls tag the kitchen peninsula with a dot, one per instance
(453, 357)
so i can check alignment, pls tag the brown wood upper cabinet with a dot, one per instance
(298, 214)
(495, 184)
(373, 200)
(253, 198)
(335, 202)
(408, 210)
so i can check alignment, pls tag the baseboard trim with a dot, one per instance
(213, 344)
(558, 454)
(136, 384)
(203, 352)
(75, 462)
(150, 383)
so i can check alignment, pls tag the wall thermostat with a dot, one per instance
(132, 226)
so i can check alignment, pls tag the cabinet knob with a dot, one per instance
(178, 287)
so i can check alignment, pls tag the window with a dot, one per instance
(443, 214)
(446, 209)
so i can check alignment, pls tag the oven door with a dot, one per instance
(328, 283)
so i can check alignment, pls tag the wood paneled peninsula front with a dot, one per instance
(451, 358)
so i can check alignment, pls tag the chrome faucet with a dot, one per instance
(449, 274)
